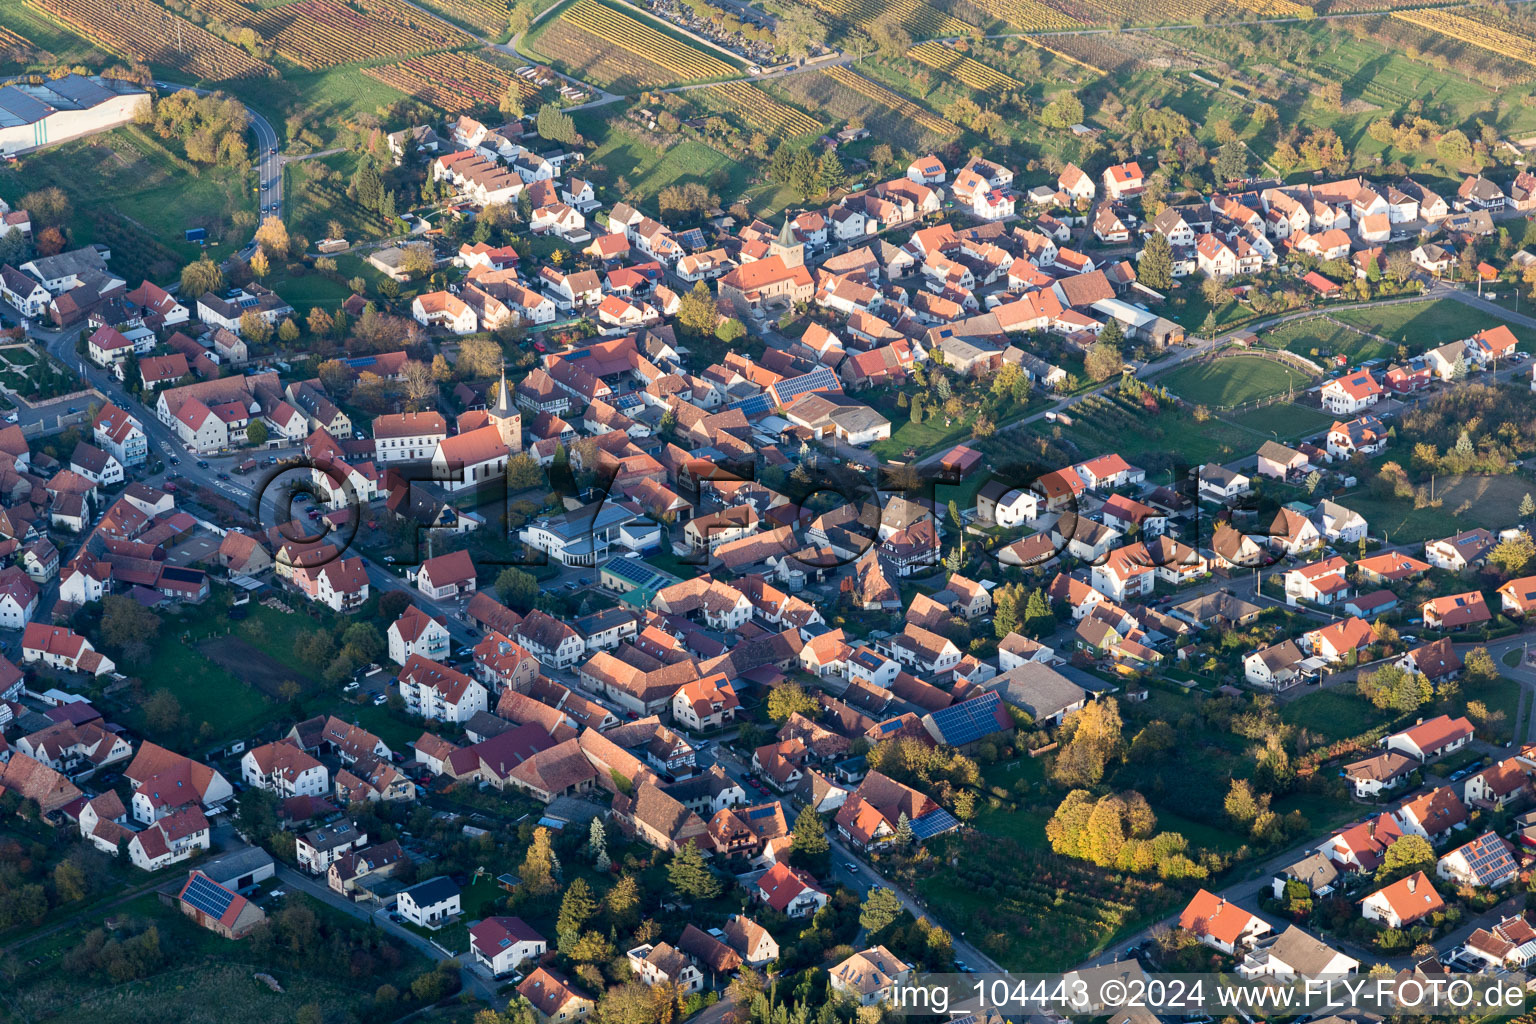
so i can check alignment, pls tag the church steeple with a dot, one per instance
(505, 417)
(788, 246)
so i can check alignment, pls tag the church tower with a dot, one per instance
(505, 417)
(787, 246)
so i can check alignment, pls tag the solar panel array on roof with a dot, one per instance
(934, 823)
(754, 405)
(820, 379)
(1489, 859)
(969, 720)
(762, 812)
(691, 239)
(203, 893)
(636, 571)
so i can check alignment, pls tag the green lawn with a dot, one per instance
(1424, 325)
(1233, 380)
(1335, 713)
(1502, 699)
(1287, 422)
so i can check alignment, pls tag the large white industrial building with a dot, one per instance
(33, 116)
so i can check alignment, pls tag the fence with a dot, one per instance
(1281, 356)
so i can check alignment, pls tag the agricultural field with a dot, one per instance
(1234, 380)
(139, 30)
(615, 49)
(1481, 29)
(324, 33)
(1115, 53)
(756, 108)
(15, 48)
(129, 172)
(972, 72)
(923, 21)
(879, 108)
(487, 16)
(453, 82)
(1029, 15)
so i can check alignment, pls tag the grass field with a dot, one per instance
(1465, 502)
(1233, 380)
(1097, 429)
(1335, 713)
(1424, 325)
(130, 192)
(1287, 422)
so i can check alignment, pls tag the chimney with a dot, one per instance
(1413, 883)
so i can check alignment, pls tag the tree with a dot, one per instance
(272, 236)
(576, 907)
(697, 311)
(1155, 268)
(1479, 666)
(320, 323)
(623, 899)
(254, 328)
(1091, 740)
(512, 101)
(690, 876)
(420, 387)
(1005, 611)
(540, 869)
(256, 433)
(128, 626)
(1240, 804)
(70, 882)
(1103, 361)
(1405, 856)
(287, 331)
(1038, 618)
(785, 700)
(810, 838)
(1392, 687)
(880, 907)
(260, 265)
(903, 836)
(1514, 554)
(200, 278)
(163, 711)
(556, 125)
(1062, 112)
(517, 589)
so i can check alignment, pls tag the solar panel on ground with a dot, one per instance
(202, 893)
(934, 823)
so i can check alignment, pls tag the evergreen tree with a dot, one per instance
(623, 899)
(830, 172)
(576, 907)
(880, 907)
(690, 876)
(1527, 506)
(1005, 612)
(1155, 269)
(810, 834)
(904, 835)
(597, 839)
(1037, 613)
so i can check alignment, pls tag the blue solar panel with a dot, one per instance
(762, 812)
(756, 405)
(934, 823)
(821, 378)
(204, 894)
(969, 720)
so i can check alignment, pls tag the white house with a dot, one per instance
(282, 768)
(429, 904)
(438, 692)
(502, 943)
